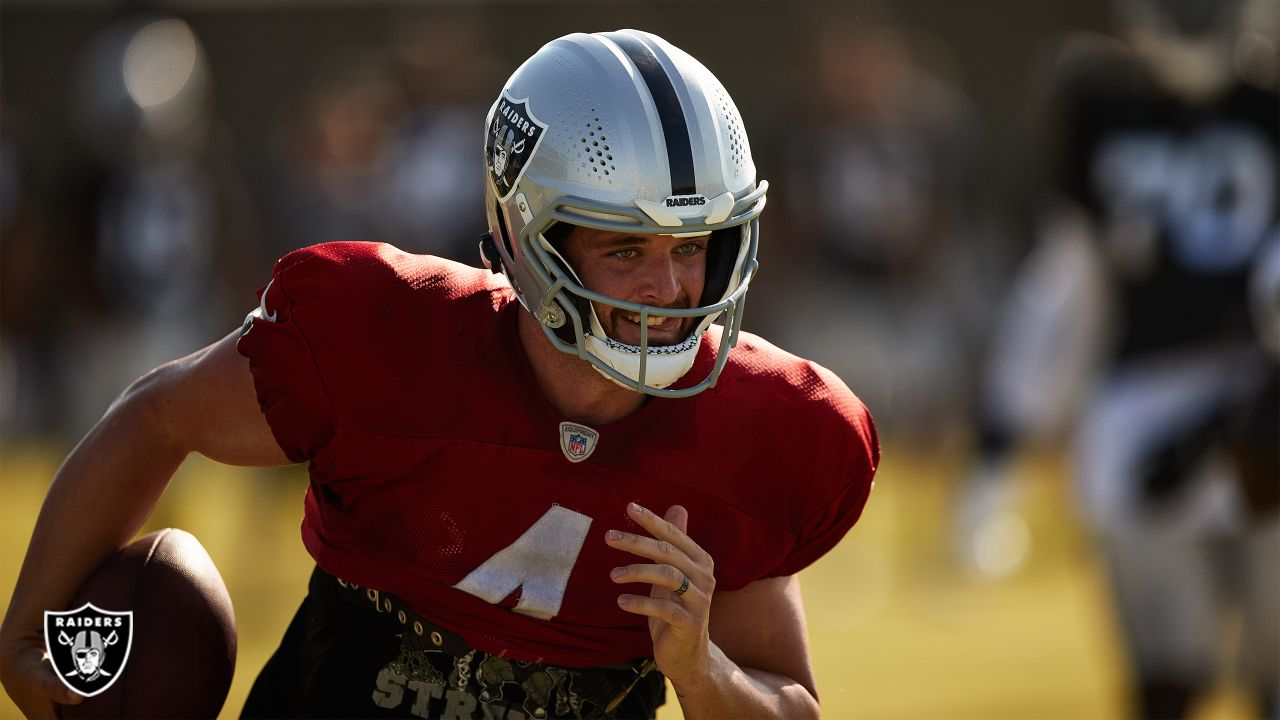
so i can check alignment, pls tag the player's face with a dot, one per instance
(658, 270)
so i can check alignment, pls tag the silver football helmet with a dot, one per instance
(623, 132)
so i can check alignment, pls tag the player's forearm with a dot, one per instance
(728, 690)
(99, 498)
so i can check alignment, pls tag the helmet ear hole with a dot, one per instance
(502, 229)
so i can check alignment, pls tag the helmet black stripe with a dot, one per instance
(675, 129)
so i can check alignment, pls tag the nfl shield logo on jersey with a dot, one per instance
(88, 646)
(577, 441)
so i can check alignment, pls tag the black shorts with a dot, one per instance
(342, 658)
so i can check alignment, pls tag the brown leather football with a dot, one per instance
(183, 650)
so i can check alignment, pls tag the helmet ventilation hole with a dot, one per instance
(733, 127)
(593, 150)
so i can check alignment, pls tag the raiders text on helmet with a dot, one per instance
(621, 132)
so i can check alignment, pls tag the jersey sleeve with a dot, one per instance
(825, 528)
(845, 460)
(290, 389)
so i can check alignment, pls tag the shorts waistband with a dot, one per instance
(421, 633)
(609, 685)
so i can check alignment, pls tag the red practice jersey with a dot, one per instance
(439, 472)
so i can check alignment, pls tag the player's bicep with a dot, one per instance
(779, 645)
(206, 403)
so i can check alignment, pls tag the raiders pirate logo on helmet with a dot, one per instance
(88, 646)
(512, 139)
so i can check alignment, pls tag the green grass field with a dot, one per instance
(896, 631)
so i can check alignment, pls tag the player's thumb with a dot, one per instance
(34, 688)
(677, 515)
(51, 687)
(58, 692)
(62, 694)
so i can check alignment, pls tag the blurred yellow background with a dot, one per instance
(896, 630)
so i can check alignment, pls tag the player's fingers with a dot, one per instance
(670, 611)
(34, 687)
(33, 707)
(666, 577)
(665, 530)
(678, 516)
(46, 679)
(62, 694)
(659, 551)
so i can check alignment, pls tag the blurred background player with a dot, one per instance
(1131, 320)
(881, 225)
(159, 235)
(381, 144)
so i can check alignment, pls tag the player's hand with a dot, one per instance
(678, 624)
(29, 678)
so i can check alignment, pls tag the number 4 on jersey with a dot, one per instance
(538, 563)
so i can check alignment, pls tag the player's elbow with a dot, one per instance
(146, 407)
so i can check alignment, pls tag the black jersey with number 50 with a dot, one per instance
(1183, 195)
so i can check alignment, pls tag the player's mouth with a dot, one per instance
(663, 330)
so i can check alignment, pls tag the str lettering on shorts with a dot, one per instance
(434, 684)
(431, 700)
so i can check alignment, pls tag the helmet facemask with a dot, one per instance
(566, 309)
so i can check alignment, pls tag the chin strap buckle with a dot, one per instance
(551, 316)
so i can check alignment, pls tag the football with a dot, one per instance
(180, 652)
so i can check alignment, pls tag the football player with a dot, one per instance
(536, 489)
(1134, 311)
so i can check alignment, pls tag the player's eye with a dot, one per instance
(692, 248)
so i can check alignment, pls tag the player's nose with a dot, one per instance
(660, 281)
